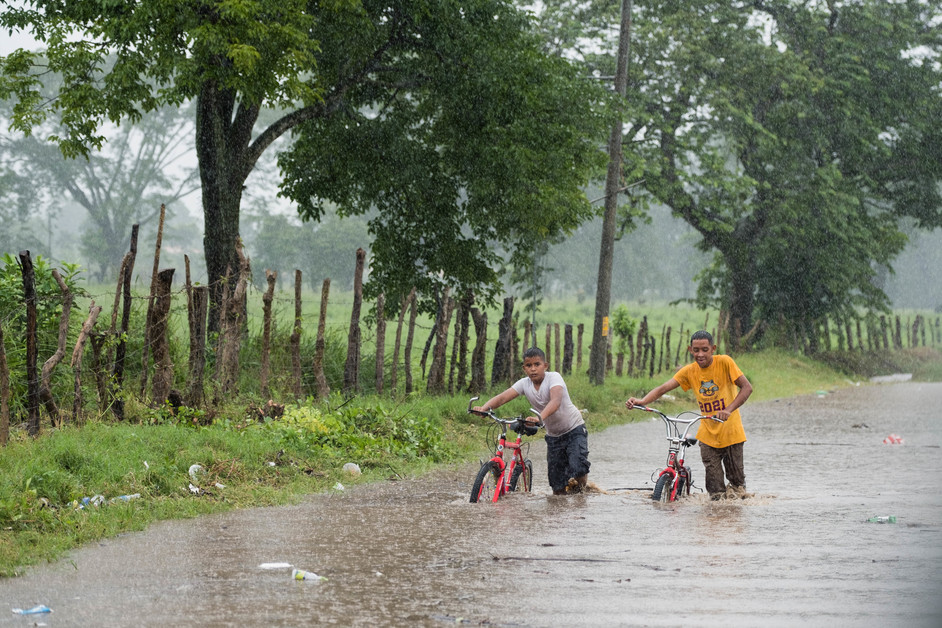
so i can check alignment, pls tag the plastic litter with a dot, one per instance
(195, 469)
(338, 486)
(893, 439)
(300, 574)
(36, 610)
(352, 468)
(882, 519)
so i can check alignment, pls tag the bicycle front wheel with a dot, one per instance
(522, 477)
(486, 482)
(662, 490)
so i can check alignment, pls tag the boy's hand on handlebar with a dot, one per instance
(633, 402)
(480, 409)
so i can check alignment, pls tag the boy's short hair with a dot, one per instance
(701, 335)
(534, 352)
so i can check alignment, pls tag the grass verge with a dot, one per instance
(247, 458)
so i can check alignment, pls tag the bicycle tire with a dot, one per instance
(681, 487)
(525, 470)
(486, 482)
(662, 490)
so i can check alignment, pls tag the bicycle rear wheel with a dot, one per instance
(486, 482)
(662, 490)
(522, 477)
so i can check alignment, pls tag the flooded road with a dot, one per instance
(800, 552)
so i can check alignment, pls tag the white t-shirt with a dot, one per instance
(566, 417)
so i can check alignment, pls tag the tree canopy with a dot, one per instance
(448, 117)
(792, 136)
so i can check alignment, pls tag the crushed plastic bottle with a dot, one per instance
(36, 610)
(300, 574)
(882, 519)
(352, 468)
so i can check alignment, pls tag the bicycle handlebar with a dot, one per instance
(656, 411)
(511, 421)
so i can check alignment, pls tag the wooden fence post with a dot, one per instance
(32, 377)
(394, 374)
(380, 341)
(478, 378)
(410, 336)
(580, 329)
(160, 345)
(117, 379)
(323, 390)
(149, 319)
(567, 350)
(45, 384)
(4, 394)
(351, 371)
(501, 368)
(557, 352)
(270, 278)
(295, 339)
(436, 376)
(76, 363)
(548, 347)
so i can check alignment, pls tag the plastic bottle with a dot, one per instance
(882, 519)
(300, 574)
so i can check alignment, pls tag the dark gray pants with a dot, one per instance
(716, 460)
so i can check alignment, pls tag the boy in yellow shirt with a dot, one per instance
(715, 379)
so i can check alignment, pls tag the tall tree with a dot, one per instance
(370, 76)
(142, 167)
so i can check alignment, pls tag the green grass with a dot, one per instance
(41, 479)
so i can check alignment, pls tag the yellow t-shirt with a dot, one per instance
(715, 387)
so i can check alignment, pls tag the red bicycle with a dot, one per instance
(497, 477)
(675, 479)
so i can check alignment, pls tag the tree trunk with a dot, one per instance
(557, 350)
(526, 334)
(323, 390)
(117, 379)
(270, 278)
(380, 341)
(613, 182)
(223, 136)
(295, 339)
(160, 345)
(394, 375)
(45, 385)
(32, 377)
(453, 364)
(478, 378)
(351, 371)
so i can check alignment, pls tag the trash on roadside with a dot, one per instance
(81, 504)
(195, 469)
(882, 519)
(352, 468)
(275, 566)
(123, 498)
(195, 489)
(300, 574)
(893, 439)
(146, 466)
(219, 485)
(822, 393)
(33, 611)
(338, 486)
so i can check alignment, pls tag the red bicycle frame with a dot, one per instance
(506, 471)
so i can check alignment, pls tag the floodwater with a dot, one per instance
(798, 552)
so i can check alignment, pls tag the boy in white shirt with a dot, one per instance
(567, 440)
